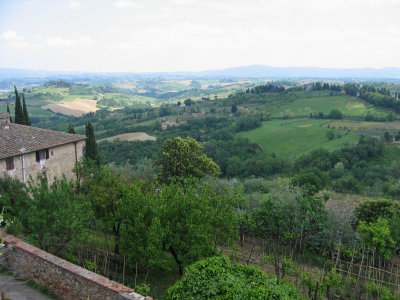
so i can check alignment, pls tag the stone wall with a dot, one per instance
(61, 161)
(65, 279)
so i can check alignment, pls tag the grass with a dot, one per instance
(297, 136)
(39, 112)
(354, 125)
(349, 106)
(71, 98)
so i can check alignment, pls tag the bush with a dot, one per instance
(218, 278)
(335, 114)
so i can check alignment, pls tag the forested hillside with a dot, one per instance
(299, 179)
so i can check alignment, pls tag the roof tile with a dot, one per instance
(16, 139)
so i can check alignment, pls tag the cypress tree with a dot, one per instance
(26, 116)
(19, 114)
(91, 146)
(8, 110)
(71, 129)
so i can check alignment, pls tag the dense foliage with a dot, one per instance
(183, 159)
(218, 278)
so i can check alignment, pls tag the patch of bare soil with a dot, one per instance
(133, 136)
(76, 108)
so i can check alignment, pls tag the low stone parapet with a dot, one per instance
(65, 279)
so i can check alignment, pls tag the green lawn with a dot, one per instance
(39, 112)
(349, 106)
(297, 136)
(71, 98)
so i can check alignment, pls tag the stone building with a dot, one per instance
(27, 151)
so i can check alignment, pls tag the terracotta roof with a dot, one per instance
(16, 139)
(4, 115)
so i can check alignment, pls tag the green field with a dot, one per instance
(71, 98)
(349, 106)
(297, 136)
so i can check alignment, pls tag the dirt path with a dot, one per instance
(18, 290)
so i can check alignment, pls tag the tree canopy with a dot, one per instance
(188, 223)
(182, 159)
(218, 278)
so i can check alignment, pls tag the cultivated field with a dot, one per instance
(364, 125)
(349, 106)
(76, 108)
(297, 136)
(133, 136)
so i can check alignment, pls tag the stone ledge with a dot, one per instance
(120, 291)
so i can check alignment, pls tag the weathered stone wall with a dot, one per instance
(61, 161)
(65, 279)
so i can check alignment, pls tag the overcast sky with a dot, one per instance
(191, 35)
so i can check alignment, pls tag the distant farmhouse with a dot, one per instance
(200, 114)
(28, 151)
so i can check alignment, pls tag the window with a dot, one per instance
(10, 163)
(42, 155)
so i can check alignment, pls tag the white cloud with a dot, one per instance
(74, 4)
(14, 40)
(183, 2)
(60, 42)
(165, 35)
(10, 35)
(126, 4)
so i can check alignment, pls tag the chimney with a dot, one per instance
(7, 119)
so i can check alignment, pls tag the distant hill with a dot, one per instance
(303, 72)
(36, 77)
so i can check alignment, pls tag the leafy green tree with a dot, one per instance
(370, 210)
(388, 137)
(377, 237)
(330, 135)
(104, 191)
(289, 217)
(188, 102)
(55, 218)
(233, 108)
(335, 114)
(27, 121)
(14, 200)
(188, 223)
(91, 146)
(19, 114)
(181, 159)
(312, 180)
(218, 278)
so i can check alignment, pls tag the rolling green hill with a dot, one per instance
(297, 136)
(323, 102)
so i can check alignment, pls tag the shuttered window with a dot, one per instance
(42, 155)
(10, 163)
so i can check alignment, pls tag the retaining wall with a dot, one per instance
(65, 279)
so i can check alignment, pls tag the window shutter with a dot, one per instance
(10, 163)
(47, 153)
(37, 156)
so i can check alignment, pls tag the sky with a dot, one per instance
(194, 35)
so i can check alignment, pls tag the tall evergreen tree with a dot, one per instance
(8, 110)
(19, 114)
(25, 110)
(71, 129)
(91, 146)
